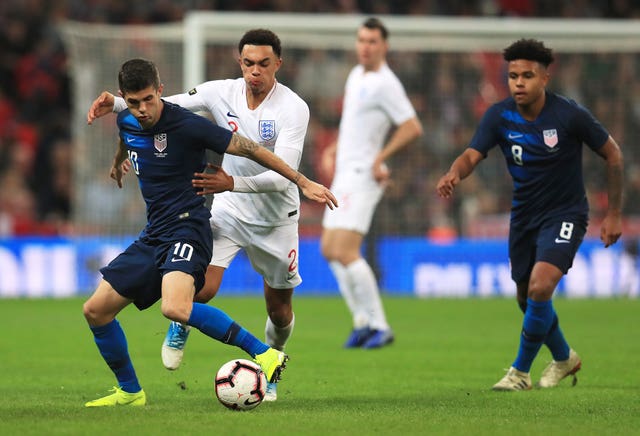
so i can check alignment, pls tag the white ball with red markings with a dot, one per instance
(240, 384)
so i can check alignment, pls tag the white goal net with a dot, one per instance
(451, 67)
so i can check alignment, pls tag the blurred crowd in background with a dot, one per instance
(36, 153)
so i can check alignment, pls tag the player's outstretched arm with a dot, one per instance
(611, 228)
(242, 146)
(460, 168)
(101, 106)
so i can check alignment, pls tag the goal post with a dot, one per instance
(435, 34)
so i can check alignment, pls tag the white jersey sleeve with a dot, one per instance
(269, 181)
(192, 100)
(118, 104)
(395, 102)
(189, 100)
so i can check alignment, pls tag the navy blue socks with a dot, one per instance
(555, 339)
(538, 319)
(112, 344)
(214, 323)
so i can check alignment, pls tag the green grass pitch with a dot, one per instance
(435, 379)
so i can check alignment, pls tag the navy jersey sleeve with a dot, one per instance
(210, 135)
(587, 128)
(487, 135)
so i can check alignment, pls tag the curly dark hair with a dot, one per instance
(261, 37)
(529, 49)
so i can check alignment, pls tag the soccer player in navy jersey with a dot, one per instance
(254, 210)
(540, 135)
(166, 146)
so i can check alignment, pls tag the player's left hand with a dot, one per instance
(611, 228)
(381, 173)
(447, 184)
(317, 192)
(213, 182)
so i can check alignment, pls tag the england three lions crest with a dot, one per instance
(550, 137)
(160, 141)
(267, 129)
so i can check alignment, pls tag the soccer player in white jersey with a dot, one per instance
(374, 100)
(259, 212)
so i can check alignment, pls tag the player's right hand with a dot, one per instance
(446, 184)
(212, 182)
(101, 106)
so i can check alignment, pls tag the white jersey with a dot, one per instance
(373, 102)
(279, 124)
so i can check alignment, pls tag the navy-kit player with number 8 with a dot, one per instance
(541, 135)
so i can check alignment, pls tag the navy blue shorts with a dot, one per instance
(556, 242)
(137, 272)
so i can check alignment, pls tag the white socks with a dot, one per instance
(359, 288)
(276, 337)
(346, 288)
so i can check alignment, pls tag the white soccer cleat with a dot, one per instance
(514, 381)
(271, 394)
(556, 371)
(173, 345)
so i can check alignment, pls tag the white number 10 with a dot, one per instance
(133, 157)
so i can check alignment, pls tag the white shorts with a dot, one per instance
(272, 251)
(357, 203)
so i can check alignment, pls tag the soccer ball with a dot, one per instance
(240, 384)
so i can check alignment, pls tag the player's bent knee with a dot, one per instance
(334, 254)
(326, 252)
(174, 312)
(88, 312)
(95, 316)
(541, 293)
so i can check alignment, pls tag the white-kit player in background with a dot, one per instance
(374, 101)
(260, 209)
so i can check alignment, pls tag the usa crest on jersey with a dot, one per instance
(160, 141)
(550, 137)
(267, 129)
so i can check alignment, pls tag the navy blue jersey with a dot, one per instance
(544, 157)
(164, 158)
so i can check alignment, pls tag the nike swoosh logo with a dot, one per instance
(131, 139)
(515, 135)
(562, 241)
(178, 259)
(230, 115)
(248, 401)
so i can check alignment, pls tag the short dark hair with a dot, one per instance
(138, 74)
(375, 23)
(261, 37)
(529, 49)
